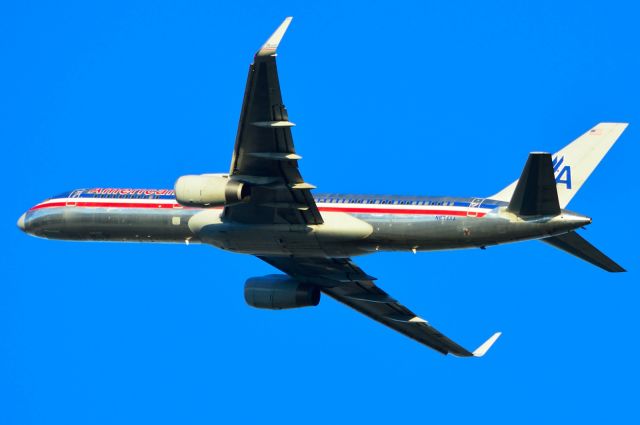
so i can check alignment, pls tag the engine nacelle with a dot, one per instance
(278, 292)
(210, 190)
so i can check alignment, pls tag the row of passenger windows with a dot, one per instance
(382, 201)
(320, 200)
(130, 196)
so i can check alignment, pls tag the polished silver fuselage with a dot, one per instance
(353, 224)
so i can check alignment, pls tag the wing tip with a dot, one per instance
(482, 350)
(271, 45)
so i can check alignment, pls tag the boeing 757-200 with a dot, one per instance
(263, 207)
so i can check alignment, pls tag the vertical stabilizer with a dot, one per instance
(574, 163)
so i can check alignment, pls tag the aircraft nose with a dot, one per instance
(21, 224)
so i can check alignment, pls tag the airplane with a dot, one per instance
(264, 207)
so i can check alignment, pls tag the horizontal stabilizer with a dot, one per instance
(576, 245)
(536, 193)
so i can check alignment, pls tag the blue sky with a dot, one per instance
(389, 97)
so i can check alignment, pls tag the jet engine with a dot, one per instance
(210, 190)
(278, 292)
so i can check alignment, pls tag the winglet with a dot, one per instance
(269, 48)
(482, 350)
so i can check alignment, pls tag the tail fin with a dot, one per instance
(574, 163)
(576, 245)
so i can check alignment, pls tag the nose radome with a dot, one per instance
(21, 222)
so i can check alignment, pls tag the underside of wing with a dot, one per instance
(344, 281)
(264, 155)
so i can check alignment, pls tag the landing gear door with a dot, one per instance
(72, 201)
(473, 207)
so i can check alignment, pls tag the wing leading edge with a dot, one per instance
(344, 281)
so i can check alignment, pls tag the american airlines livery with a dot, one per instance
(264, 207)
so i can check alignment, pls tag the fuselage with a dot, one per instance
(353, 224)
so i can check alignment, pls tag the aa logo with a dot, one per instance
(562, 172)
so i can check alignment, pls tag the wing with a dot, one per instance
(264, 155)
(342, 280)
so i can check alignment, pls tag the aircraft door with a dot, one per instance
(475, 203)
(73, 198)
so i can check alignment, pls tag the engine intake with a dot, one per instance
(278, 292)
(210, 190)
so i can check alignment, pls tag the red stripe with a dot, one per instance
(106, 205)
(324, 209)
